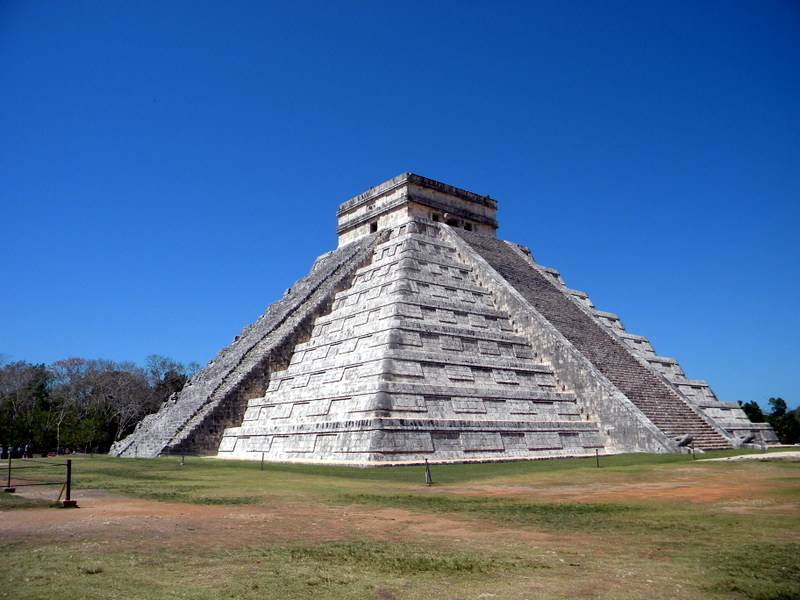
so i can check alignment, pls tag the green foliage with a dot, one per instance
(24, 403)
(778, 406)
(81, 404)
(753, 411)
(784, 422)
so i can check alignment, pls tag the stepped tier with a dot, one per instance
(423, 337)
(414, 361)
(634, 378)
(193, 420)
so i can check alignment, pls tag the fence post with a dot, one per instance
(8, 487)
(68, 502)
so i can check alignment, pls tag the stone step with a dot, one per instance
(611, 357)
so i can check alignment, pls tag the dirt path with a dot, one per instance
(772, 456)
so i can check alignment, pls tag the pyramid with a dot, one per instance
(424, 337)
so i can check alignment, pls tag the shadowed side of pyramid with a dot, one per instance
(640, 384)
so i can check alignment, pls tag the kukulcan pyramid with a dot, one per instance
(423, 336)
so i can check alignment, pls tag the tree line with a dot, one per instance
(82, 404)
(785, 422)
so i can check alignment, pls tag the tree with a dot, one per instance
(157, 367)
(71, 394)
(753, 411)
(785, 423)
(23, 400)
(778, 406)
(99, 400)
(77, 402)
(130, 398)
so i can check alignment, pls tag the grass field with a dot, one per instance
(641, 526)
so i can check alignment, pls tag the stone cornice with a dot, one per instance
(411, 178)
(356, 221)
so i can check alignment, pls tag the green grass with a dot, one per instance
(515, 530)
(194, 478)
(581, 515)
(407, 559)
(12, 501)
(763, 572)
(327, 570)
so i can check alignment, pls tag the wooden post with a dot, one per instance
(8, 487)
(69, 502)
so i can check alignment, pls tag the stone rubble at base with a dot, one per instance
(423, 336)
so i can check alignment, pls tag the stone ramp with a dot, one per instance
(644, 388)
(216, 397)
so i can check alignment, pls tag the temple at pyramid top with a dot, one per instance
(424, 337)
(409, 195)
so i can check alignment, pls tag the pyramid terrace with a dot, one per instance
(425, 337)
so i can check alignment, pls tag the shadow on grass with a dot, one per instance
(15, 502)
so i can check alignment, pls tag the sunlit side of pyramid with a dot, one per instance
(423, 336)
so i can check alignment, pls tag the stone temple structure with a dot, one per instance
(423, 336)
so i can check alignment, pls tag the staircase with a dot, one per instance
(648, 392)
(208, 402)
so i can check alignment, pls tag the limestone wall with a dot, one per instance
(727, 415)
(414, 361)
(622, 425)
(215, 397)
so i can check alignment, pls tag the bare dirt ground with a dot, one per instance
(111, 517)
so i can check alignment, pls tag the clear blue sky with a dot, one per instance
(167, 169)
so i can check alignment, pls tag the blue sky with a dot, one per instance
(168, 169)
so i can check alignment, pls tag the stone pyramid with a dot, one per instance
(424, 337)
